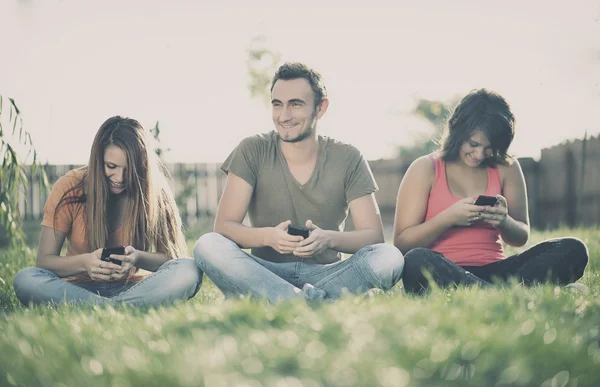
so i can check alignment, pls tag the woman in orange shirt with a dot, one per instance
(121, 198)
(440, 228)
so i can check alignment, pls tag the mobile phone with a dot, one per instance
(107, 251)
(302, 231)
(484, 200)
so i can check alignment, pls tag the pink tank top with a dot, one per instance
(476, 245)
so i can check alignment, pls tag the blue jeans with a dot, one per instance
(176, 279)
(236, 272)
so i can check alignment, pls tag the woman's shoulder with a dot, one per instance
(421, 172)
(510, 169)
(69, 180)
(425, 165)
(76, 175)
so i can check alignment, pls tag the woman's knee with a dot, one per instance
(577, 251)
(416, 259)
(26, 281)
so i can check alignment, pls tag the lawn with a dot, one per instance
(543, 336)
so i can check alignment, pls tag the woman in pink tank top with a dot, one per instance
(440, 226)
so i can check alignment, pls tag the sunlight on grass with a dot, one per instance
(542, 336)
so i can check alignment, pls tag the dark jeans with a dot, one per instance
(560, 261)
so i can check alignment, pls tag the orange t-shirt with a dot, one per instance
(476, 245)
(70, 218)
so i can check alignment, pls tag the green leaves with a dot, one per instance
(15, 150)
(261, 63)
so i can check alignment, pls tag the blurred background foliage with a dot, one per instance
(17, 153)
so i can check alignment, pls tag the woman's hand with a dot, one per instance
(463, 213)
(496, 215)
(315, 244)
(127, 262)
(99, 270)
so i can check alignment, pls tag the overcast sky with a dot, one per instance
(72, 64)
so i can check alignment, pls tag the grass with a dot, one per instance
(543, 336)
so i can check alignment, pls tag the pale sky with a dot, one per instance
(72, 64)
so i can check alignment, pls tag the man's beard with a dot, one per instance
(299, 137)
(306, 134)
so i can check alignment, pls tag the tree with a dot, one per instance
(262, 63)
(13, 177)
(188, 187)
(436, 113)
(156, 134)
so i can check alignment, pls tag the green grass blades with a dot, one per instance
(514, 336)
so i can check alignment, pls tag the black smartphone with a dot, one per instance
(302, 231)
(107, 251)
(484, 200)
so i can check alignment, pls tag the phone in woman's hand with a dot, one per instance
(107, 251)
(484, 200)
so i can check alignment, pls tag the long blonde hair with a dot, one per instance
(152, 221)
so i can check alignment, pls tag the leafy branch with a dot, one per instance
(13, 174)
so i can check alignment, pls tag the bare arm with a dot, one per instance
(410, 228)
(514, 229)
(368, 228)
(48, 257)
(232, 209)
(149, 261)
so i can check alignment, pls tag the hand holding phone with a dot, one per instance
(117, 250)
(484, 200)
(302, 231)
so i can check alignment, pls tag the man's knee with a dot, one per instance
(207, 245)
(214, 251)
(387, 264)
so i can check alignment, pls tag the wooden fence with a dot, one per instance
(197, 188)
(563, 187)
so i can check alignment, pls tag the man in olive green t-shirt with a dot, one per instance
(292, 177)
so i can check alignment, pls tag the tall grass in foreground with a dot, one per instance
(542, 336)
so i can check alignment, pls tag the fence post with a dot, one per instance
(571, 191)
(581, 190)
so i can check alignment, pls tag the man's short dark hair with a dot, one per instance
(295, 70)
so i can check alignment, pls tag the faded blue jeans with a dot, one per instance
(236, 272)
(175, 280)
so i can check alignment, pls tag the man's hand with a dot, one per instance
(317, 242)
(280, 240)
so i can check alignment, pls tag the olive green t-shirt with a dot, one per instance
(340, 176)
